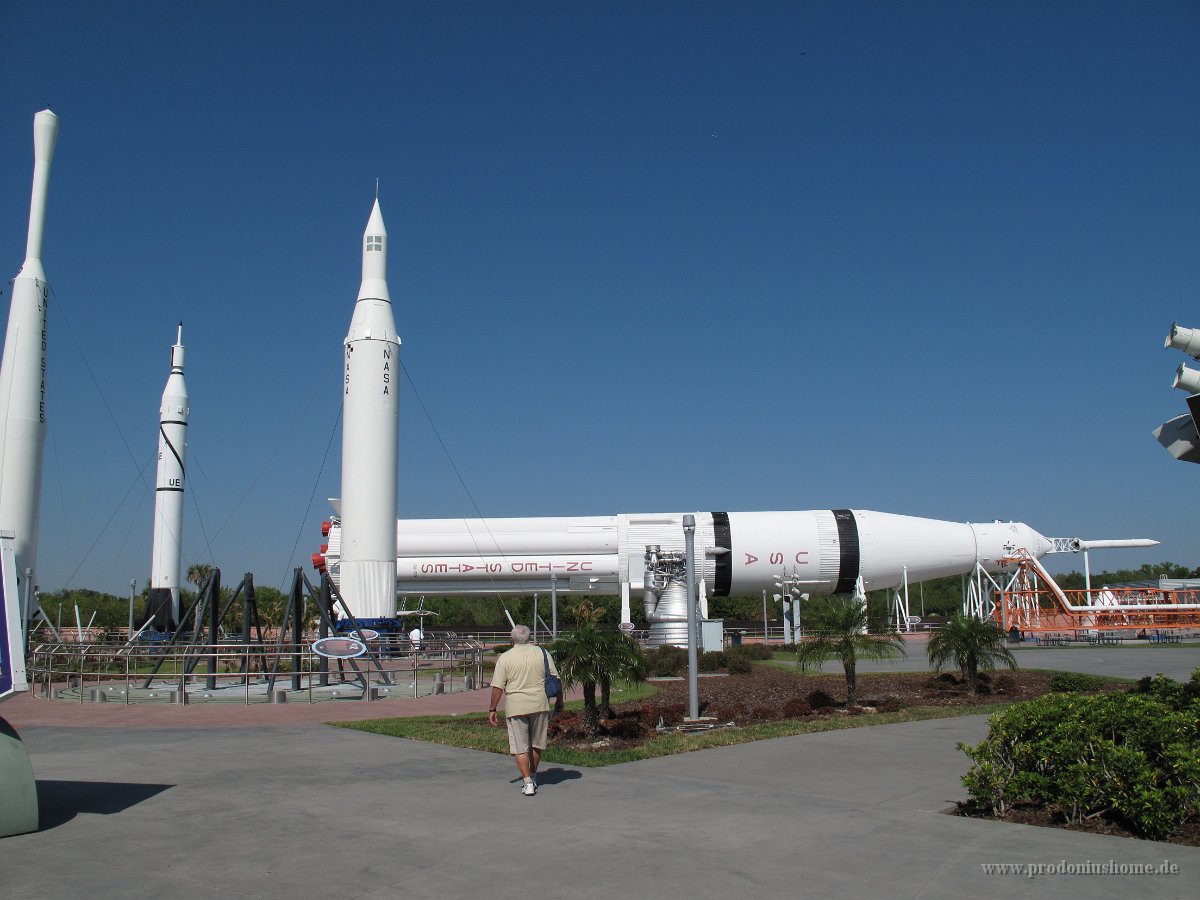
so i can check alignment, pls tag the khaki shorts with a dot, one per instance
(525, 732)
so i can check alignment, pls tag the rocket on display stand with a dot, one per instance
(23, 371)
(369, 556)
(370, 421)
(167, 555)
(823, 551)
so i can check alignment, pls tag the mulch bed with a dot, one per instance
(769, 694)
(1187, 834)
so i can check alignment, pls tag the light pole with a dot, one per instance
(766, 633)
(689, 544)
(132, 586)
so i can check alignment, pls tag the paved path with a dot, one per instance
(274, 806)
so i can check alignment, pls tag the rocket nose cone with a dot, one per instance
(1039, 545)
(375, 223)
(45, 134)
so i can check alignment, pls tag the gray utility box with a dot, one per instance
(712, 634)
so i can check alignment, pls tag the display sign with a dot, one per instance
(12, 649)
(339, 647)
(367, 634)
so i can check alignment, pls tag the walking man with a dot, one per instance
(520, 677)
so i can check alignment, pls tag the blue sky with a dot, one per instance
(652, 256)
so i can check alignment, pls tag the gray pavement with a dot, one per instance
(305, 810)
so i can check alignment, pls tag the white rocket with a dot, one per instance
(168, 495)
(370, 423)
(823, 551)
(23, 371)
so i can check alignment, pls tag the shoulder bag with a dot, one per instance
(553, 683)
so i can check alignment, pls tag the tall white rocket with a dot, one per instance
(23, 370)
(370, 423)
(168, 496)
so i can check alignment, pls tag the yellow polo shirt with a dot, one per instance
(521, 674)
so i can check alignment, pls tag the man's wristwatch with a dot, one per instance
(493, 709)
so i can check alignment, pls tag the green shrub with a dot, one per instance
(1075, 682)
(820, 699)
(750, 651)
(1169, 691)
(738, 665)
(666, 661)
(1129, 756)
(710, 661)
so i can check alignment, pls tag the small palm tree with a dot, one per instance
(838, 626)
(972, 644)
(627, 662)
(198, 573)
(591, 656)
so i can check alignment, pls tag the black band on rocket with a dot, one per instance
(723, 576)
(851, 559)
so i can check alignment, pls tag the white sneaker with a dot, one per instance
(529, 788)
(533, 778)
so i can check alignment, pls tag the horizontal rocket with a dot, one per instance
(825, 551)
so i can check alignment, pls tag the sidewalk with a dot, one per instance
(268, 807)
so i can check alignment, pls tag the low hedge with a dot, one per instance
(1131, 756)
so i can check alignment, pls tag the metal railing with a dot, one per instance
(251, 672)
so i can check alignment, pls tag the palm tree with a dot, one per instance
(198, 573)
(972, 644)
(838, 626)
(627, 662)
(591, 656)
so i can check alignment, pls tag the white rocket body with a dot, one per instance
(167, 560)
(23, 370)
(370, 429)
(826, 550)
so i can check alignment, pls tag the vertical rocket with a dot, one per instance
(23, 370)
(163, 602)
(370, 422)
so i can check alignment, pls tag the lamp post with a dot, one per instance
(132, 586)
(689, 544)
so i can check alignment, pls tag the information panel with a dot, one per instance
(12, 650)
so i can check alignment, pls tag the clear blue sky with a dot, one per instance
(649, 256)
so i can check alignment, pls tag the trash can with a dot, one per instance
(735, 639)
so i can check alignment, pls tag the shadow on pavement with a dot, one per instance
(60, 801)
(556, 776)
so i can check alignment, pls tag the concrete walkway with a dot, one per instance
(278, 805)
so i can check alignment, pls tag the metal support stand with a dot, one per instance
(214, 627)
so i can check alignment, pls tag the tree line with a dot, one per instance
(938, 597)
